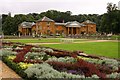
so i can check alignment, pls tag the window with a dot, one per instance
(40, 27)
(48, 27)
(91, 27)
(48, 23)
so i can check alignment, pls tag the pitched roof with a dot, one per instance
(27, 24)
(63, 24)
(89, 22)
(46, 19)
(74, 24)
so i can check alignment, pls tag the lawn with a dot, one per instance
(42, 40)
(108, 49)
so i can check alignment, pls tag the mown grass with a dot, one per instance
(42, 40)
(108, 49)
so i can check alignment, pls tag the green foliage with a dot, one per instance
(115, 37)
(10, 24)
(7, 52)
(7, 26)
(63, 59)
(110, 21)
(14, 46)
(46, 71)
(37, 56)
(14, 66)
(114, 75)
(11, 57)
(111, 63)
(24, 65)
(42, 49)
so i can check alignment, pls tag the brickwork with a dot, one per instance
(49, 26)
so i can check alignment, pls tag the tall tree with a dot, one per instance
(8, 26)
(110, 20)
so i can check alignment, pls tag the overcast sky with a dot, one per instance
(38, 6)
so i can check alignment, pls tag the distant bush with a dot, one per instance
(10, 37)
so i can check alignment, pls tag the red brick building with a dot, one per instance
(48, 26)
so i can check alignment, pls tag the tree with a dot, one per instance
(111, 7)
(57, 16)
(110, 21)
(8, 26)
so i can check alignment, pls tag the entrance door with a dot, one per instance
(74, 30)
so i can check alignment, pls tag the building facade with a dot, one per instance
(47, 26)
(25, 28)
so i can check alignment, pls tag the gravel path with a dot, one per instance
(6, 73)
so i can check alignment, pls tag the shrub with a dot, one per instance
(63, 59)
(24, 65)
(11, 57)
(58, 54)
(18, 48)
(111, 64)
(5, 52)
(49, 50)
(46, 71)
(86, 68)
(20, 55)
(14, 46)
(42, 49)
(14, 66)
(114, 75)
(36, 56)
(35, 49)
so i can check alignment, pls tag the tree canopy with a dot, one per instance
(108, 22)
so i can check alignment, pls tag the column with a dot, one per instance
(76, 30)
(72, 30)
(68, 30)
(29, 33)
(19, 34)
(25, 31)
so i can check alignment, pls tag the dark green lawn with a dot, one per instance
(109, 49)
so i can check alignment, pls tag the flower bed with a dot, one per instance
(42, 62)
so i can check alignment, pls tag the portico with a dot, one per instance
(73, 27)
(72, 30)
